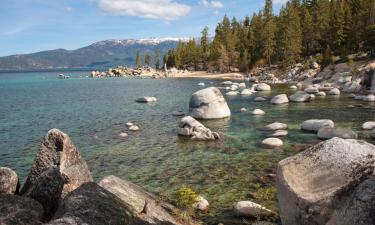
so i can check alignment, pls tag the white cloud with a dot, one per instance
(154, 9)
(212, 4)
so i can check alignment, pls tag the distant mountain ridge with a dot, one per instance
(100, 55)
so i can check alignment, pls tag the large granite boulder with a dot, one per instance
(316, 124)
(18, 210)
(360, 207)
(9, 183)
(190, 127)
(145, 206)
(280, 99)
(92, 204)
(208, 103)
(330, 132)
(315, 184)
(300, 96)
(58, 150)
(47, 190)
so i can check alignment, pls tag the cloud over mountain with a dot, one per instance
(166, 10)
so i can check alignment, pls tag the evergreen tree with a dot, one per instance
(138, 60)
(337, 25)
(157, 58)
(205, 53)
(148, 58)
(290, 35)
(307, 29)
(268, 32)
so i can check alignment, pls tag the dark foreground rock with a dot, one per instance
(58, 150)
(208, 103)
(327, 184)
(47, 190)
(18, 210)
(8, 181)
(93, 205)
(148, 208)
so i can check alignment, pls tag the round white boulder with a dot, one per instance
(258, 112)
(263, 87)
(280, 99)
(272, 143)
(370, 125)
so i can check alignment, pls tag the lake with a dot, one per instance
(94, 111)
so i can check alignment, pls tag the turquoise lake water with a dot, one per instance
(94, 111)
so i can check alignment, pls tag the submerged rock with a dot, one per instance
(58, 150)
(208, 103)
(195, 130)
(315, 184)
(279, 133)
(258, 112)
(231, 93)
(202, 204)
(246, 92)
(251, 209)
(146, 99)
(243, 110)
(330, 132)
(201, 84)
(18, 210)
(134, 128)
(368, 125)
(276, 126)
(316, 124)
(260, 99)
(272, 143)
(9, 183)
(280, 99)
(142, 205)
(300, 96)
(123, 135)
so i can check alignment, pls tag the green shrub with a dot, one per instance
(186, 197)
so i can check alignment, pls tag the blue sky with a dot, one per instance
(34, 25)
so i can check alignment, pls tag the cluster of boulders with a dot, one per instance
(124, 71)
(60, 190)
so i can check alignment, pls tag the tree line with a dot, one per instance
(301, 29)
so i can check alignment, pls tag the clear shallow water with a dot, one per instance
(94, 111)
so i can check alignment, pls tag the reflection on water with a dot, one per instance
(94, 111)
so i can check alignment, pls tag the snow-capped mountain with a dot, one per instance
(102, 54)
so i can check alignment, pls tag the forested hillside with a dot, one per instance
(301, 29)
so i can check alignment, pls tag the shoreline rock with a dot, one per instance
(190, 127)
(58, 150)
(9, 183)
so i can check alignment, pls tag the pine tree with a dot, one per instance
(290, 35)
(138, 60)
(205, 53)
(148, 58)
(337, 25)
(157, 58)
(307, 29)
(268, 32)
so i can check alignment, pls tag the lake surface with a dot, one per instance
(94, 111)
